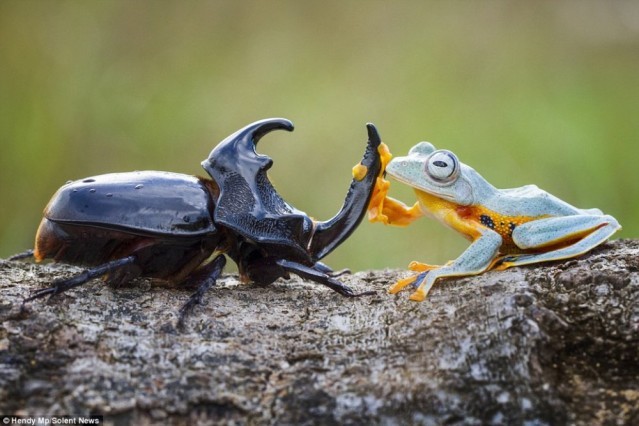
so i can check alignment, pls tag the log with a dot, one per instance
(545, 344)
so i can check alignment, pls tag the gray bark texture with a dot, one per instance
(545, 344)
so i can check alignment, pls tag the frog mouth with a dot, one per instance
(462, 193)
(430, 191)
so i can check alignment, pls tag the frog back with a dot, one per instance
(530, 201)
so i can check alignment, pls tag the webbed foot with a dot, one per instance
(421, 267)
(504, 262)
(422, 281)
(401, 284)
(415, 280)
(419, 295)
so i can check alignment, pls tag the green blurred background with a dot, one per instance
(525, 92)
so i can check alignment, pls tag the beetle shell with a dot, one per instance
(165, 218)
(149, 202)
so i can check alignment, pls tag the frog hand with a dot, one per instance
(390, 211)
(378, 199)
(380, 191)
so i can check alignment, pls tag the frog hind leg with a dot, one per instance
(477, 258)
(588, 230)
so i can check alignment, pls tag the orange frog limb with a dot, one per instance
(385, 209)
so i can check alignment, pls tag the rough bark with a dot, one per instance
(549, 344)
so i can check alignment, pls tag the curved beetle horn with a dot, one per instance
(245, 139)
(262, 127)
(328, 235)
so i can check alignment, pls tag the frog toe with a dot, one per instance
(421, 267)
(401, 284)
(418, 296)
(503, 266)
(503, 262)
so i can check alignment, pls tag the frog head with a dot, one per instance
(439, 172)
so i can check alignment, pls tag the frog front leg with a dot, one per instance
(390, 211)
(580, 233)
(474, 260)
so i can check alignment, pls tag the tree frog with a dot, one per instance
(507, 227)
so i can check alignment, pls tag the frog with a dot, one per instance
(506, 227)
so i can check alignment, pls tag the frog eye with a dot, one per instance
(442, 166)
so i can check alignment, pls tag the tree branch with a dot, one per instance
(554, 343)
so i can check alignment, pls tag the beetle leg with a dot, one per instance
(23, 255)
(60, 286)
(123, 275)
(206, 278)
(319, 277)
(322, 267)
(328, 235)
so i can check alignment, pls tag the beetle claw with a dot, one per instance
(24, 255)
(322, 267)
(188, 307)
(207, 277)
(51, 291)
(320, 277)
(339, 273)
(60, 286)
(363, 293)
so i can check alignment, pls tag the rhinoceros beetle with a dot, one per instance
(168, 225)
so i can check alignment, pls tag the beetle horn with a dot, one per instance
(247, 137)
(251, 134)
(237, 151)
(328, 235)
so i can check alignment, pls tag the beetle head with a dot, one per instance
(248, 203)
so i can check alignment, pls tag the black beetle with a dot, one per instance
(168, 225)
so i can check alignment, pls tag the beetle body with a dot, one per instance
(169, 225)
(166, 219)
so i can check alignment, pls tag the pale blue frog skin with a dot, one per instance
(507, 227)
